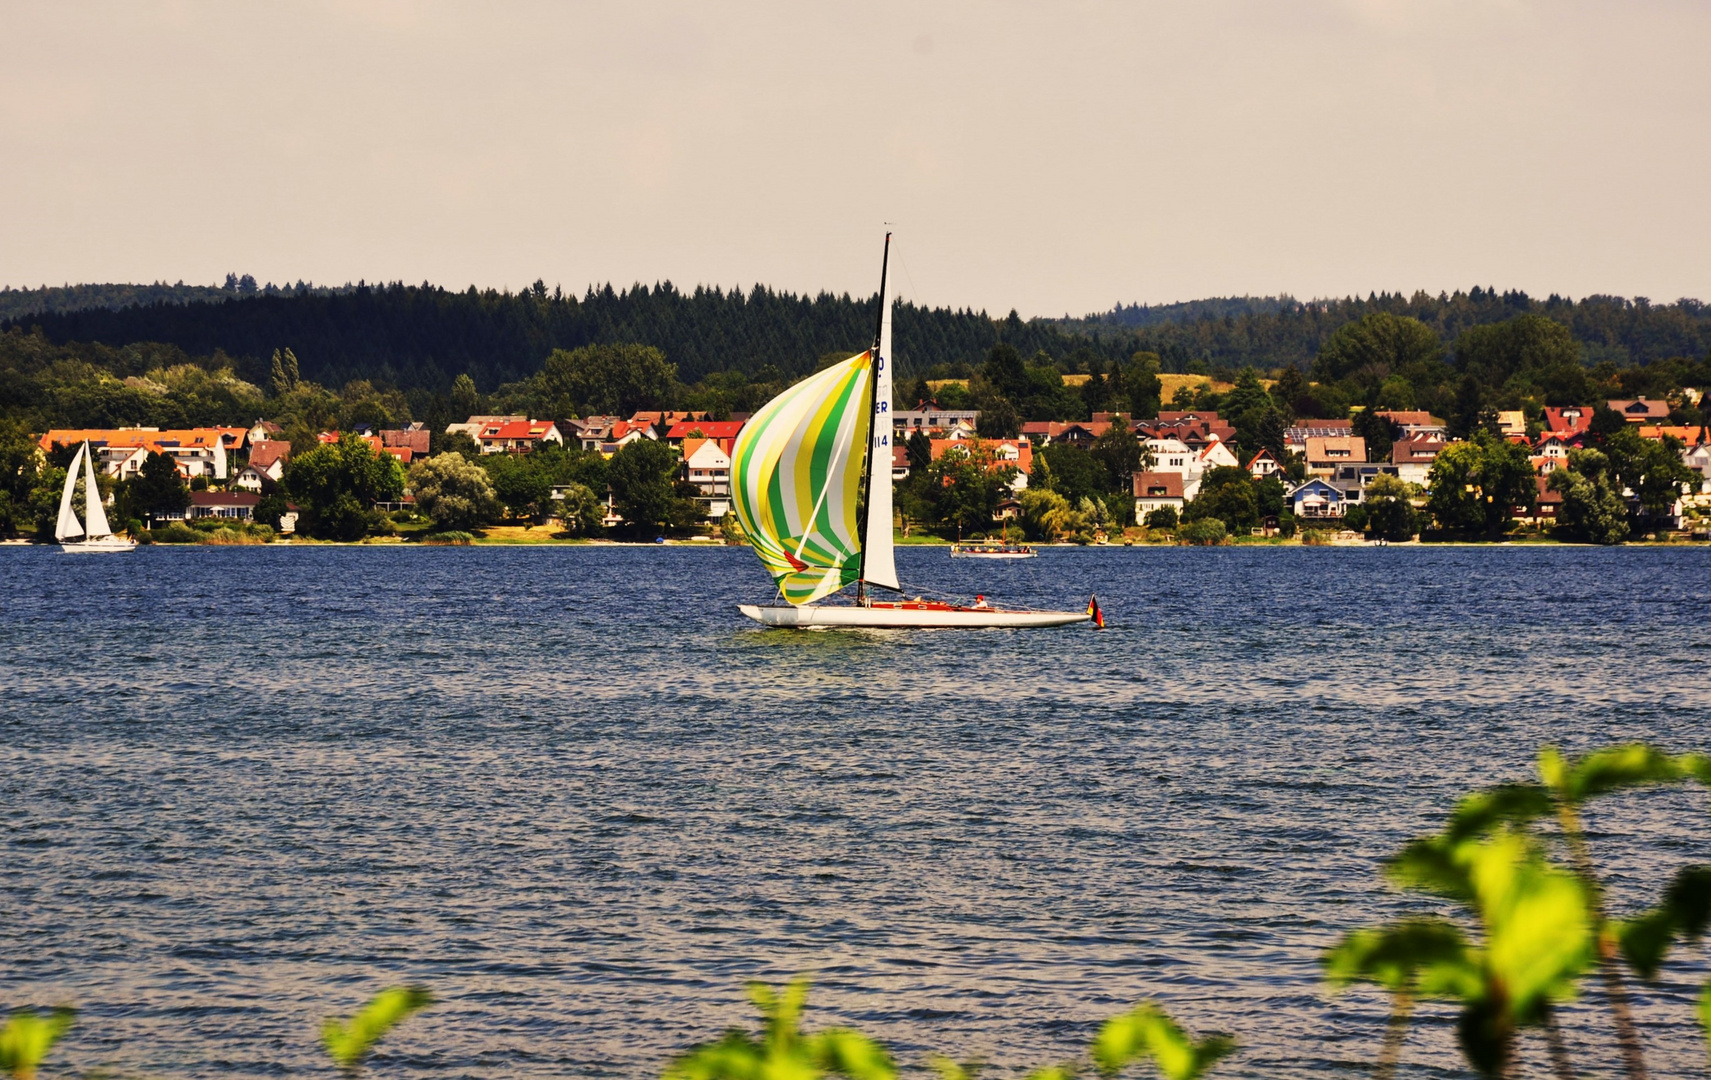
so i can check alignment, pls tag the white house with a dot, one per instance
(1413, 459)
(1171, 455)
(1698, 458)
(933, 420)
(1157, 491)
(124, 462)
(517, 436)
(472, 427)
(1215, 455)
(707, 465)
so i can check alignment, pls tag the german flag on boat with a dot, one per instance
(1094, 613)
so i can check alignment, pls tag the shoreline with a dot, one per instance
(678, 542)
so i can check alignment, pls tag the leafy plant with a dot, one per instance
(783, 1051)
(1571, 783)
(1147, 1032)
(1541, 926)
(1534, 922)
(1418, 957)
(350, 1041)
(27, 1038)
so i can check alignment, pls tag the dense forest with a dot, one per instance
(409, 336)
(1268, 334)
(420, 336)
(52, 299)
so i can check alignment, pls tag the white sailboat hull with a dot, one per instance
(100, 546)
(901, 617)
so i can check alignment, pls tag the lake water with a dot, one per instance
(582, 799)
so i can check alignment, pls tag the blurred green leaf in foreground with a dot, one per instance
(27, 1038)
(350, 1041)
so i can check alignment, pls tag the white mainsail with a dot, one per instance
(879, 562)
(93, 513)
(68, 525)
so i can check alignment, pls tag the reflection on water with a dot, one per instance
(582, 798)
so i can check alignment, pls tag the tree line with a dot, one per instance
(409, 336)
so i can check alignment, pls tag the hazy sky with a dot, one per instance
(1052, 157)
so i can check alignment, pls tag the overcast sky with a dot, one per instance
(1052, 157)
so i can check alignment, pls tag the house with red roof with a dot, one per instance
(1017, 453)
(517, 436)
(121, 451)
(683, 430)
(1413, 458)
(1568, 417)
(1158, 491)
(707, 465)
(1550, 449)
(1264, 464)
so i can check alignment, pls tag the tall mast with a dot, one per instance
(868, 465)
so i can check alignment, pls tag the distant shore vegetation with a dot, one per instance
(314, 359)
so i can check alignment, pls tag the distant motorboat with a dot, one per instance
(992, 549)
(98, 536)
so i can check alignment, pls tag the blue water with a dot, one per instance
(576, 794)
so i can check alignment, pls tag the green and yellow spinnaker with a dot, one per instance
(796, 476)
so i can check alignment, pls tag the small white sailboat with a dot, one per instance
(798, 472)
(99, 535)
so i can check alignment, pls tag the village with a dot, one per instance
(1322, 478)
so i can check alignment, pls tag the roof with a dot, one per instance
(709, 429)
(414, 438)
(1691, 434)
(1414, 451)
(265, 452)
(1024, 460)
(1191, 416)
(1568, 417)
(1641, 408)
(1410, 417)
(223, 498)
(1158, 485)
(650, 418)
(693, 446)
(1263, 453)
(1317, 481)
(517, 429)
(156, 439)
(1336, 448)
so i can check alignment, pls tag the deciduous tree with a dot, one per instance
(453, 492)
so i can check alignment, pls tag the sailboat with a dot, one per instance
(99, 536)
(799, 470)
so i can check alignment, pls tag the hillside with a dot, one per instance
(413, 336)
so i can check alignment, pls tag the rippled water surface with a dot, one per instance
(579, 796)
